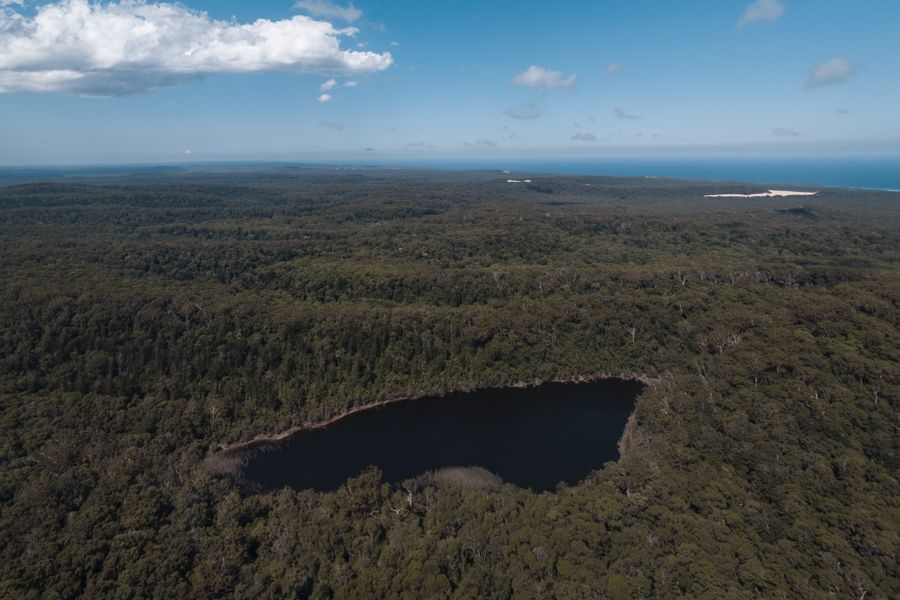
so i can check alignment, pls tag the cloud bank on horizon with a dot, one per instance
(129, 47)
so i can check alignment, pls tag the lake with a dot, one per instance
(533, 437)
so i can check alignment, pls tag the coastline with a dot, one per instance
(232, 450)
(829, 173)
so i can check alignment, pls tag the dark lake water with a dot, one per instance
(533, 437)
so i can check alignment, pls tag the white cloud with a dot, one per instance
(836, 70)
(584, 137)
(133, 46)
(620, 113)
(323, 98)
(613, 68)
(523, 112)
(482, 143)
(329, 10)
(395, 44)
(538, 77)
(761, 10)
(332, 125)
(333, 83)
(785, 132)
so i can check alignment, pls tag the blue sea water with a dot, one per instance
(882, 172)
(869, 172)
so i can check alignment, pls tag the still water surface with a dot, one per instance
(532, 437)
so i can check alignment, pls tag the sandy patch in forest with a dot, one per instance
(769, 194)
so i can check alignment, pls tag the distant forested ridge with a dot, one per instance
(147, 320)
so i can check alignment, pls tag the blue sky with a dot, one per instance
(445, 79)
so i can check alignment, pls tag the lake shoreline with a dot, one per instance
(232, 450)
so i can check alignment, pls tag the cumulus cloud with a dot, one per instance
(133, 46)
(785, 132)
(523, 112)
(584, 137)
(333, 83)
(538, 77)
(329, 10)
(834, 71)
(761, 10)
(324, 98)
(621, 114)
(613, 68)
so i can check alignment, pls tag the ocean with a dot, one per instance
(854, 172)
(876, 172)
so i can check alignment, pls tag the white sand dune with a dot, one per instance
(769, 194)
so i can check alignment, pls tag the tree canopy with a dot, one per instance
(145, 321)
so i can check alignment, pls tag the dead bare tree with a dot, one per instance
(498, 280)
(703, 372)
(215, 414)
(732, 340)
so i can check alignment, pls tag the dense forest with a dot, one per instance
(146, 321)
